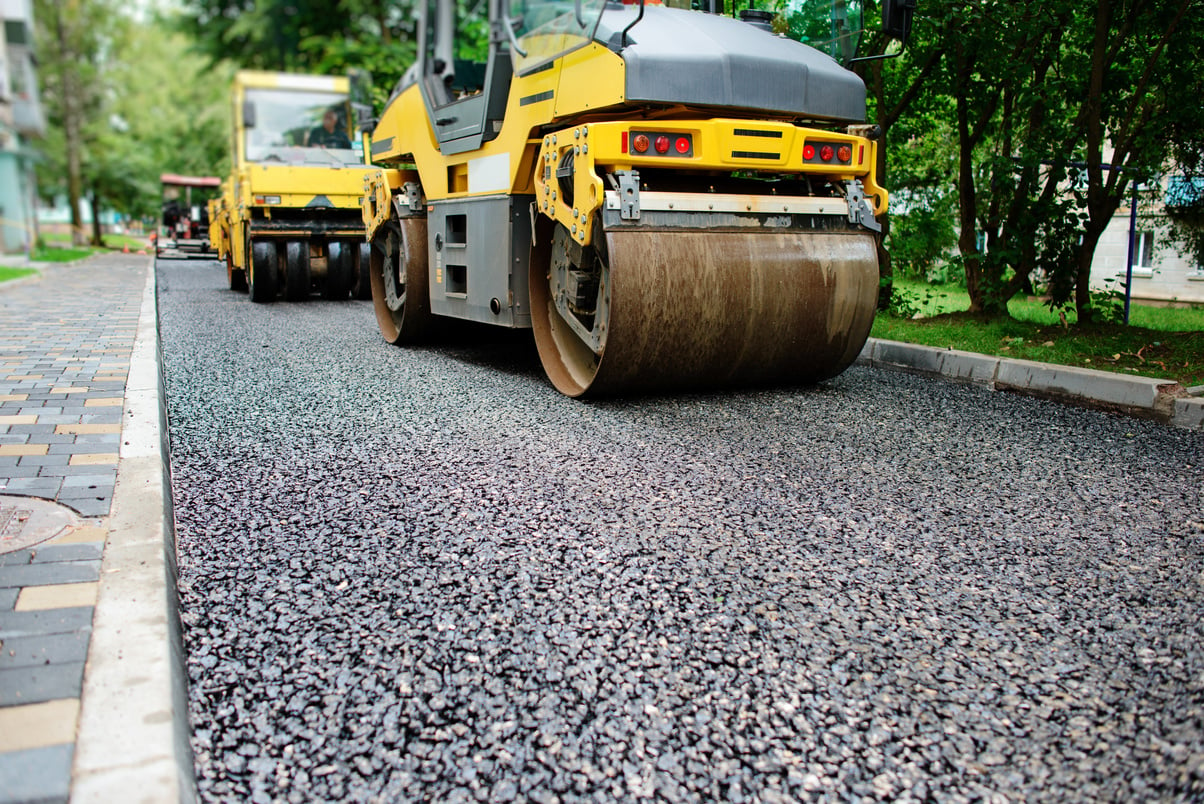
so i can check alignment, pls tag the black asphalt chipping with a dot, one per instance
(423, 574)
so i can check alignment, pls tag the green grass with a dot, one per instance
(118, 242)
(55, 254)
(61, 243)
(7, 273)
(1159, 342)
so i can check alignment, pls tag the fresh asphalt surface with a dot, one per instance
(424, 574)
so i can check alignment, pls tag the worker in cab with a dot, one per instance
(330, 134)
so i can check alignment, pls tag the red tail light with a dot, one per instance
(661, 143)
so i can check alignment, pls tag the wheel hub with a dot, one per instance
(395, 287)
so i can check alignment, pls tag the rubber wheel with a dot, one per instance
(338, 271)
(400, 294)
(361, 287)
(264, 261)
(296, 270)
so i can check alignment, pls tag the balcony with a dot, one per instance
(28, 117)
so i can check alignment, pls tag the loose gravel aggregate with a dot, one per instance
(412, 574)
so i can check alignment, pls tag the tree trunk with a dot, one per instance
(72, 124)
(967, 203)
(97, 236)
(1084, 255)
(886, 276)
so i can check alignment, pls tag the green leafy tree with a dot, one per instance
(1135, 97)
(127, 100)
(70, 39)
(1056, 106)
(327, 37)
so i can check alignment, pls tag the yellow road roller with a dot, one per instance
(288, 220)
(671, 198)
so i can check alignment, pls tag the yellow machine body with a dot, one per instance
(294, 197)
(654, 237)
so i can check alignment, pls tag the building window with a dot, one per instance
(1143, 253)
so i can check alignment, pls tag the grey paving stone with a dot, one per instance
(43, 460)
(8, 599)
(45, 487)
(56, 439)
(13, 438)
(51, 471)
(58, 418)
(72, 448)
(88, 477)
(38, 775)
(73, 498)
(46, 574)
(41, 683)
(16, 558)
(89, 508)
(81, 551)
(42, 650)
(76, 410)
(32, 429)
(8, 461)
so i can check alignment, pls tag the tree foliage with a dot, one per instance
(1056, 106)
(127, 100)
(328, 37)
(1012, 130)
(71, 37)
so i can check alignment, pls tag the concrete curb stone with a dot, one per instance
(133, 722)
(1162, 400)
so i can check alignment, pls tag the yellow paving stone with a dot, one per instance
(24, 449)
(38, 725)
(56, 596)
(69, 389)
(19, 377)
(18, 419)
(104, 402)
(85, 429)
(93, 458)
(13, 397)
(81, 534)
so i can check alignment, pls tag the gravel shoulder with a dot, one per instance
(413, 574)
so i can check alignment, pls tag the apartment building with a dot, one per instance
(21, 121)
(1162, 272)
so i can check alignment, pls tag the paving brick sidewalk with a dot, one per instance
(66, 340)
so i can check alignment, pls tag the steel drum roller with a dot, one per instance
(708, 309)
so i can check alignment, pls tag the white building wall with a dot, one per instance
(1172, 276)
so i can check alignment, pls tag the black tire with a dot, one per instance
(264, 263)
(338, 271)
(296, 270)
(361, 287)
(400, 294)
